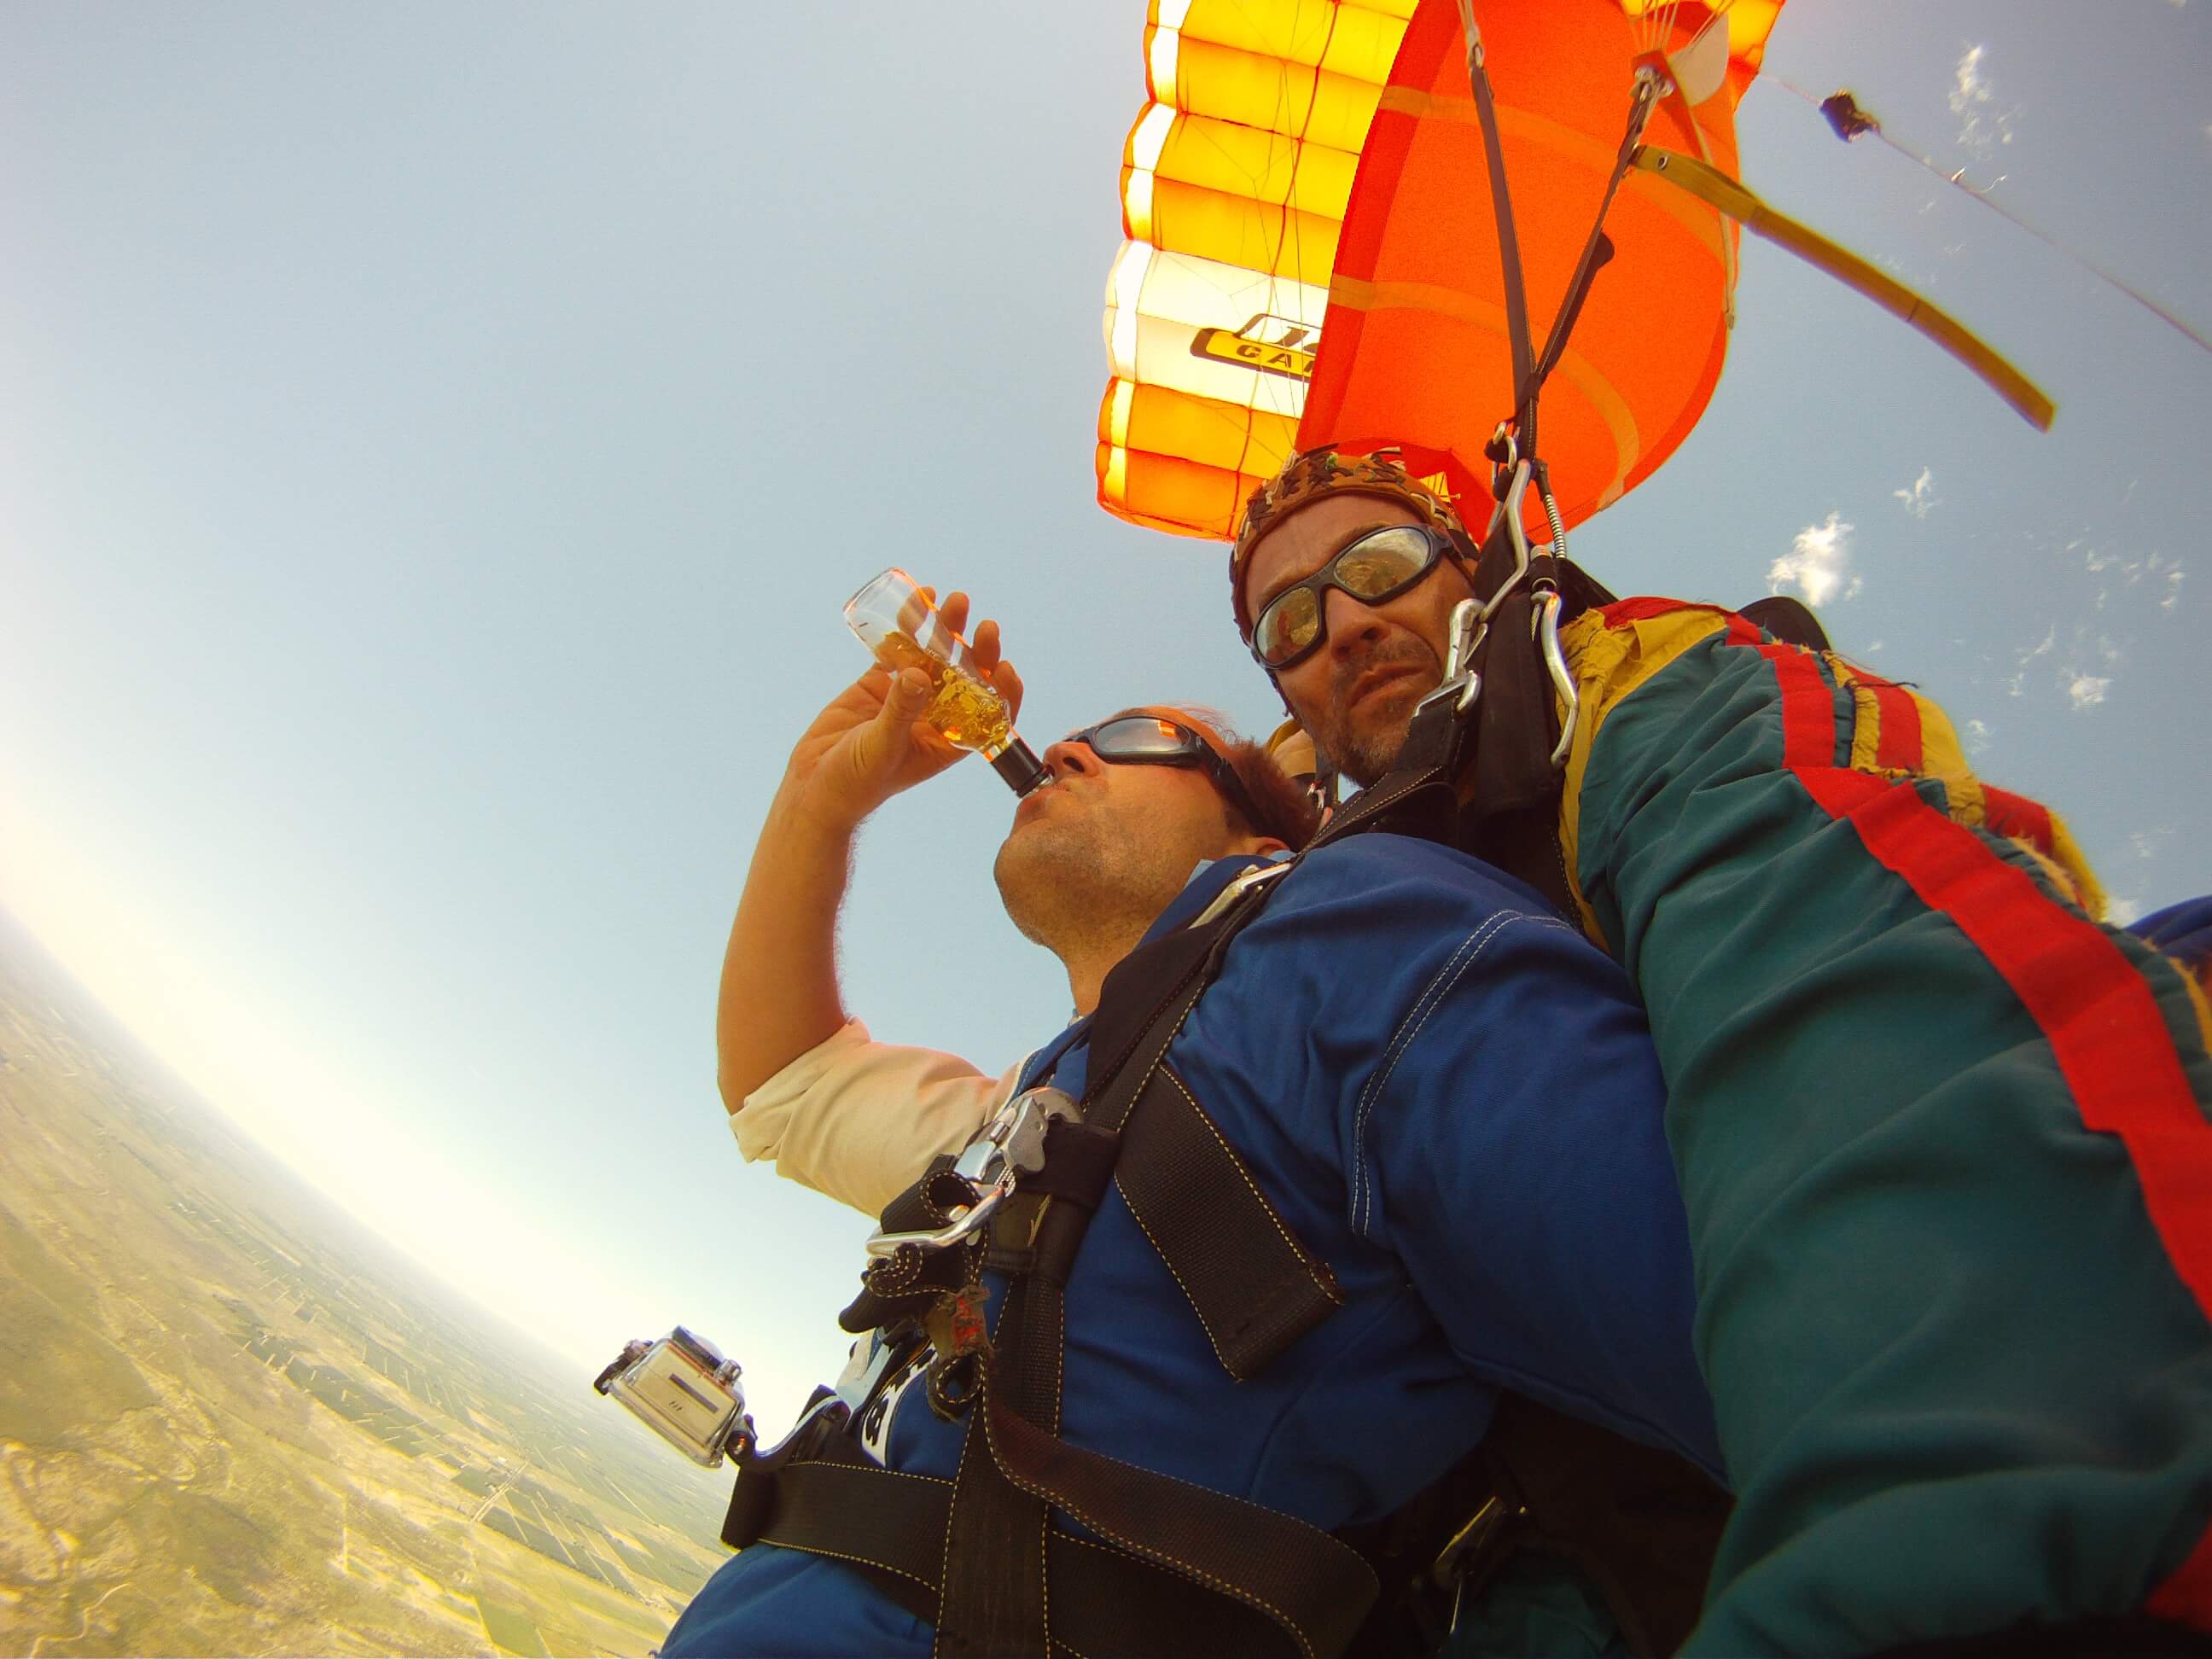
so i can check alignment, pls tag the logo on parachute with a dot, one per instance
(1272, 344)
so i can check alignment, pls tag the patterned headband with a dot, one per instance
(1307, 477)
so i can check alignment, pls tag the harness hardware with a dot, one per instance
(1011, 1145)
(1508, 511)
(1461, 685)
(1547, 621)
(965, 1220)
(1462, 1560)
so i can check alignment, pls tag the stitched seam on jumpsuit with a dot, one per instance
(1491, 930)
(1389, 1060)
(1252, 1187)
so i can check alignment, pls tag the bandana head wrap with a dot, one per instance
(1307, 477)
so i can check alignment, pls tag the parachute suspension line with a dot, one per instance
(1285, 234)
(1501, 198)
(1650, 88)
(1852, 120)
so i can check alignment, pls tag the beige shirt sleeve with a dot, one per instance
(859, 1119)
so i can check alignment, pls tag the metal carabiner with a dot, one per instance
(1508, 511)
(1010, 1147)
(1545, 624)
(965, 1220)
(1460, 685)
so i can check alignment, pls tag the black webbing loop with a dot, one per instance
(1501, 204)
(1254, 1287)
(994, 1592)
(1597, 253)
(1313, 1587)
(1105, 1601)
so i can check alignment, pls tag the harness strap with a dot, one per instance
(1643, 1524)
(1503, 741)
(1254, 1285)
(1104, 1601)
(996, 1596)
(1259, 1289)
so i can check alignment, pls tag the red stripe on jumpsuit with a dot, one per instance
(1899, 747)
(2103, 1028)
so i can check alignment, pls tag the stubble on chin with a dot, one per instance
(1051, 873)
(1364, 739)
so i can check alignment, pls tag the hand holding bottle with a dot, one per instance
(872, 742)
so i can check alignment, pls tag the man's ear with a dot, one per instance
(1257, 846)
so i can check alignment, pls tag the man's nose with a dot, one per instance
(1068, 759)
(1350, 621)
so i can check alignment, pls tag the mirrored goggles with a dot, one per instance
(1150, 740)
(1374, 567)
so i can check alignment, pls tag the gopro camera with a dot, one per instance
(685, 1392)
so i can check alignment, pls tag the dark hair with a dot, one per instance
(1288, 808)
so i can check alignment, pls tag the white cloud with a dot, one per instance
(2088, 691)
(2015, 681)
(1819, 563)
(1982, 126)
(2147, 844)
(1977, 735)
(1921, 500)
(2122, 912)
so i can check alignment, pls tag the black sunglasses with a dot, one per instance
(1374, 567)
(1150, 740)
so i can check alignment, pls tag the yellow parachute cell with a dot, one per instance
(1236, 183)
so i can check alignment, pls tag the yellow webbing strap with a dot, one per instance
(1716, 190)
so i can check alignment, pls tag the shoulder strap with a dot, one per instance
(1015, 1469)
(1503, 736)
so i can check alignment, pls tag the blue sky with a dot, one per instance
(436, 442)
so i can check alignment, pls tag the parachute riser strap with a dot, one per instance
(1501, 202)
(1597, 250)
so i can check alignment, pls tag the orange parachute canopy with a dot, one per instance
(1311, 254)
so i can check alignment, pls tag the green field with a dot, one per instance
(233, 1422)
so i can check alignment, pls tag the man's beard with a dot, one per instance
(1363, 744)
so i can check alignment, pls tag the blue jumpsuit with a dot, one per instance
(1449, 1095)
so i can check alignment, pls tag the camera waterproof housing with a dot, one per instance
(685, 1392)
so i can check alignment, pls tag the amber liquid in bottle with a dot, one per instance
(964, 712)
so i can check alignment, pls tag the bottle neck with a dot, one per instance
(1017, 762)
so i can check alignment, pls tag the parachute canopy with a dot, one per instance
(1311, 255)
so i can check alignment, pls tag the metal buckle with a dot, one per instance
(1508, 510)
(1546, 625)
(1461, 685)
(1457, 1562)
(1237, 886)
(1011, 1146)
